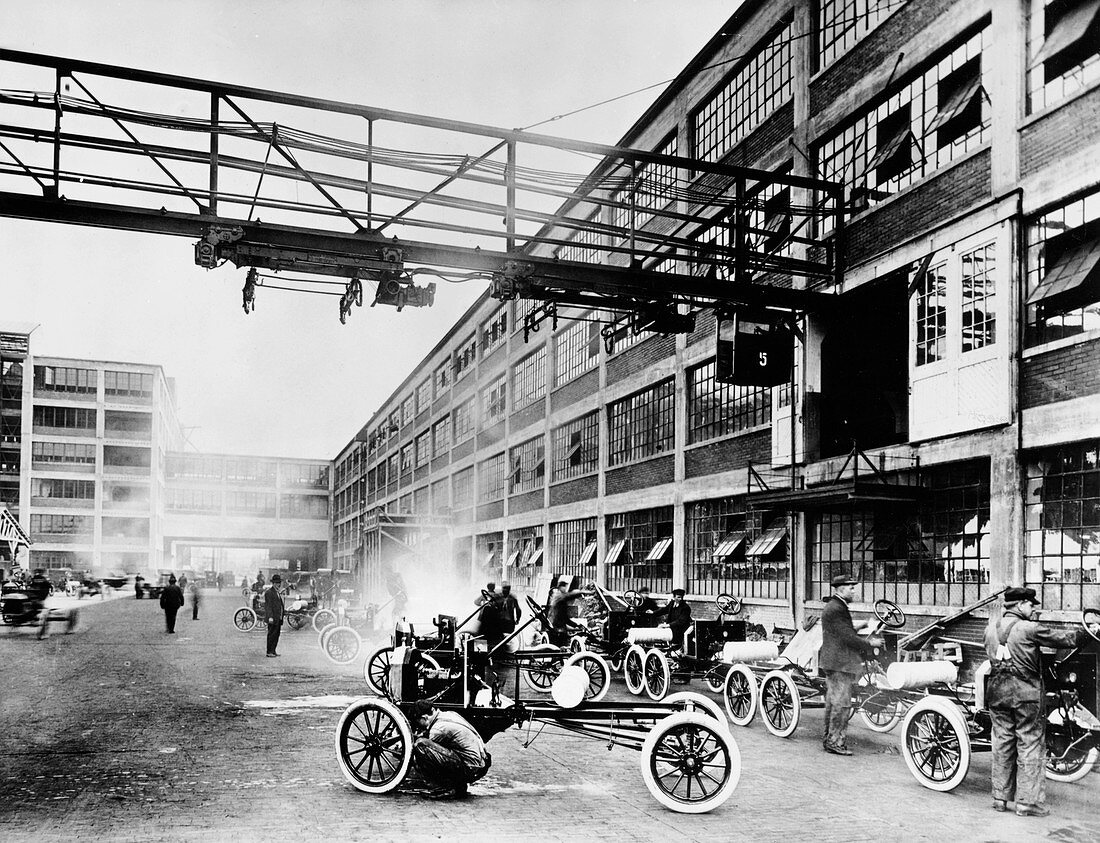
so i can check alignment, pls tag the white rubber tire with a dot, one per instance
(692, 701)
(741, 685)
(667, 739)
(342, 645)
(359, 732)
(322, 618)
(780, 705)
(599, 674)
(634, 663)
(244, 619)
(936, 719)
(658, 676)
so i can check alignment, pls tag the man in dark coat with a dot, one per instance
(841, 659)
(510, 612)
(648, 605)
(273, 610)
(678, 613)
(1014, 695)
(171, 600)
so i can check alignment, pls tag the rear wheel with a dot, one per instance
(342, 644)
(373, 745)
(780, 704)
(634, 669)
(295, 621)
(740, 694)
(690, 763)
(880, 713)
(599, 674)
(691, 701)
(244, 619)
(540, 673)
(376, 670)
(658, 677)
(936, 744)
(323, 618)
(1074, 767)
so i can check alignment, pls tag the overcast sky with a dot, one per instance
(289, 379)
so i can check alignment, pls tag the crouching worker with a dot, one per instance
(448, 753)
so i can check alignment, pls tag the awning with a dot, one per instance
(536, 558)
(1075, 266)
(958, 101)
(659, 550)
(729, 544)
(767, 541)
(614, 552)
(491, 559)
(512, 559)
(588, 557)
(892, 145)
(1069, 31)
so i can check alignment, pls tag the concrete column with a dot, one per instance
(1006, 514)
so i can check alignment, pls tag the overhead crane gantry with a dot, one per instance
(645, 233)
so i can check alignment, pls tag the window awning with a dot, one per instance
(512, 559)
(536, 558)
(729, 544)
(615, 552)
(491, 559)
(1070, 271)
(767, 541)
(891, 147)
(659, 550)
(1069, 31)
(588, 557)
(958, 101)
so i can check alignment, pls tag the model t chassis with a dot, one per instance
(689, 760)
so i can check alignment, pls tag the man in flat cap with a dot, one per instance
(678, 613)
(1014, 696)
(841, 660)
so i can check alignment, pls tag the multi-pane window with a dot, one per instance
(1062, 525)
(525, 556)
(639, 549)
(492, 477)
(408, 411)
(250, 503)
(494, 401)
(127, 385)
(462, 488)
(529, 379)
(1063, 256)
(424, 395)
(465, 357)
(393, 469)
(745, 99)
(1064, 51)
(406, 454)
(521, 309)
(642, 425)
(441, 497)
(405, 504)
(73, 418)
(736, 550)
(932, 315)
(769, 218)
(934, 553)
(441, 436)
(314, 475)
(573, 547)
(194, 500)
(463, 420)
(63, 452)
(583, 246)
(245, 470)
(577, 447)
(842, 23)
(303, 506)
(979, 320)
(443, 378)
(423, 444)
(934, 118)
(651, 188)
(70, 525)
(526, 466)
(394, 423)
(188, 467)
(420, 501)
(53, 487)
(494, 331)
(717, 409)
(576, 351)
(65, 379)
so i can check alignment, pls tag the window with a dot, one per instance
(527, 466)
(67, 525)
(63, 452)
(443, 378)
(441, 497)
(718, 409)
(127, 385)
(529, 379)
(65, 379)
(406, 454)
(642, 425)
(465, 357)
(313, 475)
(303, 506)
(583, 246)
(194, 500)
(420, 503)
(491, 478)
(249, 471)
(464, 420)
(842, 23)
(494, 331)
(52, 487)
(1065, 49)
(441, 436)
(424, 395)
(72, 418)
(394, 424)
(754, 90)
(462, 488)
(979, 319)
(720, 535)
(576, 351)
(1062, 525)
(932, 315)
(423, 444)
(195, 467)
(260, 504)
(494, 401)
(393, 471)
(408, 411)
(573, 547)
(577, 447)
(632, 538)
(1063, 271)
(652, 187)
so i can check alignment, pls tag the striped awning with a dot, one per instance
(659, 550)
(615, 552)
(729, 544)
(767, 541)
(588, 557)
(1069, 271)
(536, 558)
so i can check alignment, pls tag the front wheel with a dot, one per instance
(323, 618)
(697, 703)
(540, 673)
(715, 679)
(342, 644)
(780, 704)
(1074, 767)
(936, 744)
(599, 674)
(376, 670)
(880, 715)
(690, 764)
(658, 677)
(295, 621)
(244, 619)
(741, 695)
(373, 745)
(634, 669)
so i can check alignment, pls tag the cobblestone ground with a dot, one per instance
(122, 732)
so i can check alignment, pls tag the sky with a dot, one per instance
(289, 379)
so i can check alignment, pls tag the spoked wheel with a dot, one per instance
(634, 669)
(716, 678)
(295, 621)
(880, 713)
(1074, 767)
(373, 745)
(615, 660)
(599, 674)
(577, 644)
(780, 704)
(244, 619)
(741, 695)
(540, 673)
(658, 677)
(691, 701)
(342, 644)
(936, 744)
(323, 618)
(690, 763)
(376, 670)
(324, 634)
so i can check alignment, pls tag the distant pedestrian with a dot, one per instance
(220, 580)
(183, 583)
(273, 609)
(139, 587)
(171, 600)
(196, 599)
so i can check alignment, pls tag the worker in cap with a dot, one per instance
(1014, 697)
(678, 613)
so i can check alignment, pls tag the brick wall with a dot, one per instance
(641, 475)
(422, 472)
(704, 328)
(490, 510)
(525, 503)
(1061, 374)
(581, 489)
(463, 449)
(528, 415)
(771, 133)
(728, 454)
(441, 462)
(575, 390)
(490, 436)
(441, 403)
(1060, 134)
(634, 359)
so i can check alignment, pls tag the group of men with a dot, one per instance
(500, 613)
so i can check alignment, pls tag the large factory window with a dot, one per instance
(494, 331)
(842, 23)
(573, 548)
(583, 246)
(1064, 49)
(441, 436)
(65, 379)
(527, 466)
(577, 447)
(639, 549)
(730, 550)
(718, 409)
(529, 379)
(462, 488)
(651, 187)
(576, 351)
(494, 401)
(463, 420)
(642, 425)
(491, 478)
(525, 557)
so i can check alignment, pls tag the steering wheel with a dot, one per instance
(890, 614)
(728, 604)
(633, 599)
(1085, 621)
(538, 611)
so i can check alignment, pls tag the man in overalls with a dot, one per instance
(1014, 696)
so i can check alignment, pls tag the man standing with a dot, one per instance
(560, 599)
(509, 613)
(841, 660)
(448, 751)
(1014, 694)
(648, 605)
(273, 609)
(171, 600)
(678, 613)
(196, 599)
